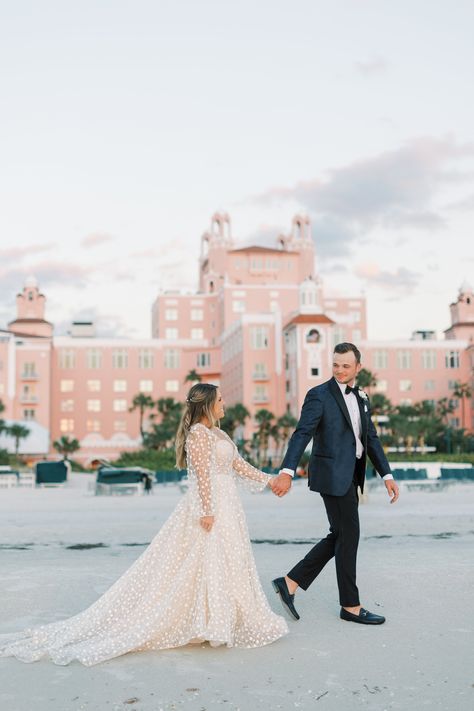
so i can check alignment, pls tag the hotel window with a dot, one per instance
(452, 359)
(66, 386)
(382, 386)
(197, 314)
(29, 369)
(260, 370)
(354, 316)
(454, 403)
(93, 406)
(203, 359)
(238, 307)
(29, 415)
(146, 386)
(259, 337)
(93, 358)
(93, 425)
(405, 386)
(67, 405)
(380, 360)
(454, 422)
(430, 385)
(171, 334)
(171, 359)
(120, 405)
(260, 393)
(120, 358)
(172, 386)
(197, 333)
(120, 386)
(66, 425)
(171, 314)
(120, 426)
(145, 359)
(356, 335)
(93, 386)
(67, 358)
(404, 360)
(339, 334)
(428, 359)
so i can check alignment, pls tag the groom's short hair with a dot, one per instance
(346, 347)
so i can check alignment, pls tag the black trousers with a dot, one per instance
(341, 542)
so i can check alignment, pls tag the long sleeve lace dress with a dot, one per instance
(188, 586)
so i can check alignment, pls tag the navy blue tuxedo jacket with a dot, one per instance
(325, 419)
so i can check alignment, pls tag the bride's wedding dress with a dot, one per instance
(188, 586)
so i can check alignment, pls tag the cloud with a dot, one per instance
(368, 67)
(19, 253)
(265, 236)
(401, 280)
(395, 189)
(96, 238)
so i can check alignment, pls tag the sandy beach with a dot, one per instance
(61, 548)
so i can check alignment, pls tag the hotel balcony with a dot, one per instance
(260, 376)
(260, 398)
(29, 376)
(28, 399)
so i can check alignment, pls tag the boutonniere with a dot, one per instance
(362, 394)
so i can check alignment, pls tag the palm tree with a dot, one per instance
(142, 402)
(284, 425)
(366, 379)
(18, 432)
(462, 391)
(193, 377)
(3, 426)
(65, 446)
(163, 434)
(265, 420)
(235, 415)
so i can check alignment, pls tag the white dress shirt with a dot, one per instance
(354, 414)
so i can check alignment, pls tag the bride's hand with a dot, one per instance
(206, 522)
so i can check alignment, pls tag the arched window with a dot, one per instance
(313, 336)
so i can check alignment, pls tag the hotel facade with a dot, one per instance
(259, 325)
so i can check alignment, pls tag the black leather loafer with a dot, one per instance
(281, 588)
(363, 618)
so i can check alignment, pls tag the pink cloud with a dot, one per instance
(95, 239)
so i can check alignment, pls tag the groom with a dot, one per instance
(336, 415)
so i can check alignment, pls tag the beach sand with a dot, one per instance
(61, 548)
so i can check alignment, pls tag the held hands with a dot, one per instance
(206, 522)
(281, 484)
(392, 489)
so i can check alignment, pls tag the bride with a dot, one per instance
(196, 581)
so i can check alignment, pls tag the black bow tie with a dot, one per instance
(349, 390)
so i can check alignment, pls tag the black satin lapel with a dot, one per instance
(336, 393)
(363, 417)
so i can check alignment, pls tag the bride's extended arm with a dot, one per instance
(198, 458)
(252, 477)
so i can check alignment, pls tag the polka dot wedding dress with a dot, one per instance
(188, 586)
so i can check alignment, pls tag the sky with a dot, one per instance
(125, 124)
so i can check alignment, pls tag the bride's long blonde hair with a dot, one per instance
(199, 403)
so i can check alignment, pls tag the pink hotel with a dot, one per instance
(260, 326)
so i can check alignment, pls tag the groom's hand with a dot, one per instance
(281, 484)
(392, 489)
